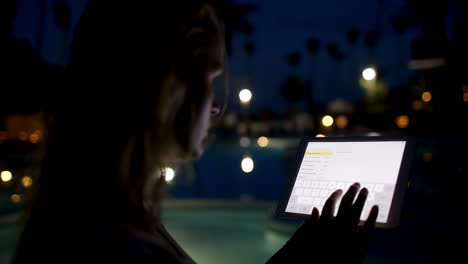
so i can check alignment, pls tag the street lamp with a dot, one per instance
(245, 95)
(369, 74)
(6, 176)
(327, 121)
(247, 164)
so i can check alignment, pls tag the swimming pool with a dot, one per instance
(223, 232)
(238, 230)
(211, 231)
(233, 231)
(220, 231)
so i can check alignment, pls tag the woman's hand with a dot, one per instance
(330, 239)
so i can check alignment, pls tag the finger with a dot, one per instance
(366, 230)
(329, 207)
(311, 222)
(314, 217)
(348, 199)
(356, 209)
(307, 226)
(370, 222)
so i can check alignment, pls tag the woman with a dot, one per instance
(140, 98)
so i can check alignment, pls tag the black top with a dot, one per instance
(101, 244)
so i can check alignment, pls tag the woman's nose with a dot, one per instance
(215, 109)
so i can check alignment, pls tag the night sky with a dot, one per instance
(280, 28)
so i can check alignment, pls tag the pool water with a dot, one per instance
(240, 232)
(209, 234)
(228, 233)
(224, 235)
(8, 235)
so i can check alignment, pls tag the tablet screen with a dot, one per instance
(328, 166)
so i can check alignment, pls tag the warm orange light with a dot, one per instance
(427, 156)
(426, 97)
(23, 136)
(320, 135)
(26, 181)
(465, 97)
(34, 138)
(402, 121)
(417, 105)
(341, 121)
(3, 135)
(16, 198)
(262, 141)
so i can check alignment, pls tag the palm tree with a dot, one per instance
(335, 76)
(234, 16)
(313, 47)
(294, 90)
(352, 35)
(370, 40)
(335, 52)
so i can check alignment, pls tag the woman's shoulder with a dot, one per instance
(90, 244)
(122, 243)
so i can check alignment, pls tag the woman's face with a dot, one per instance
(202, 79)
(205, 63)
(208, 108)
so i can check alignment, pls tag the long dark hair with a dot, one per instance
(122, 117)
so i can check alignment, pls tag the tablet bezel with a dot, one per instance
(393, 219)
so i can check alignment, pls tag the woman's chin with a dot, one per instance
(197, 150)
(197, 153)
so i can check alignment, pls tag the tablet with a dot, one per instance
(324, 165)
